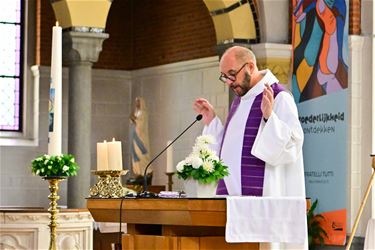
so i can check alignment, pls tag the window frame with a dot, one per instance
(29, 113)
(21, 74)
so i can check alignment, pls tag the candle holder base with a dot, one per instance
(170, 180)
(109, 185)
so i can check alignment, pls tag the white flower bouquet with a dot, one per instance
(56, 165)
(202, 164)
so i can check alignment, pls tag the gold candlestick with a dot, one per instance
(170, 180)
(53, 197)
(109, 184)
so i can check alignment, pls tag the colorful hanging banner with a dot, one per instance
(319, 86)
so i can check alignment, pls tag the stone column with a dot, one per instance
(274, 21)
(275, 57)
(80, 51)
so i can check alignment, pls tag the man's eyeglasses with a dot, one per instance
(224, 78)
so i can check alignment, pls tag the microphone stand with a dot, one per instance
(145, 193)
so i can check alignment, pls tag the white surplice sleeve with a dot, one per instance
(216, 129)
(279, 140)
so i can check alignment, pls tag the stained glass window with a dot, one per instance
(10, 65)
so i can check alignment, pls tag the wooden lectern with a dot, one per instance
(174, 224)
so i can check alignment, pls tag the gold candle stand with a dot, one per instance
(359, 213)
(53, 197)
(170, 180)
(109, 184)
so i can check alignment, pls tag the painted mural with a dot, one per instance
(319, 64)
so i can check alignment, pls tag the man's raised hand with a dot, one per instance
(203, 107)
(267, 101)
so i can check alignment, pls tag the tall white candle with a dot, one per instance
(170, 167)
(102, 156)
(373, 121)
(114, 155)
(55, 98)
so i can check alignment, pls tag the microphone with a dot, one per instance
(145, 193)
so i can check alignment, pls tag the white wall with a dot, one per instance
(359, 130)
(361, 86)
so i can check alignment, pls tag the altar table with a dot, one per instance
(27, 228)
(193, 223)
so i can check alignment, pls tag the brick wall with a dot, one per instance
(45, 19)
(170, 31)
(355, 17)
(142, 33)
(117, 50)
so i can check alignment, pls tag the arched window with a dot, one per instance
(11, 55)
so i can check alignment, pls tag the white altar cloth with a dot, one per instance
(266, 219)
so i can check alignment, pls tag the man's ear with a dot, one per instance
(251, 67)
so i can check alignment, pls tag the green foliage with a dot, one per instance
(316, 233)
(55, 165)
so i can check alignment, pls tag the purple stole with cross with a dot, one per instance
(252, 168)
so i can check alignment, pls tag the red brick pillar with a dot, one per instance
(355, 17)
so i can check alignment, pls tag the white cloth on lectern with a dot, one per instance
(370, 235)
(266, 219)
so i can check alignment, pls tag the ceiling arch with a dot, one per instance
(235, 21)
(69, 13)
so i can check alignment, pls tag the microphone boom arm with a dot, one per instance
(198, 118)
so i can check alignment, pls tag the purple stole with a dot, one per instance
(252, 168)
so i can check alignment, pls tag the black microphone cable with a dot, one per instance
(118, 246)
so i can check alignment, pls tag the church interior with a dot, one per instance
(166, 52)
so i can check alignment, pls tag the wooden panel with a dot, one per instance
(211, 243)
(159, 204)
(103, 241)
(127, 242)
(196, 231)
(187, 212)
(142, 242)
(187, 243)
(174, 218)
(160, 211)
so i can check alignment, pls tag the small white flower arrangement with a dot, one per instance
(55, 165)
(202, 164)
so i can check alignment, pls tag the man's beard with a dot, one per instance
(242, 88)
